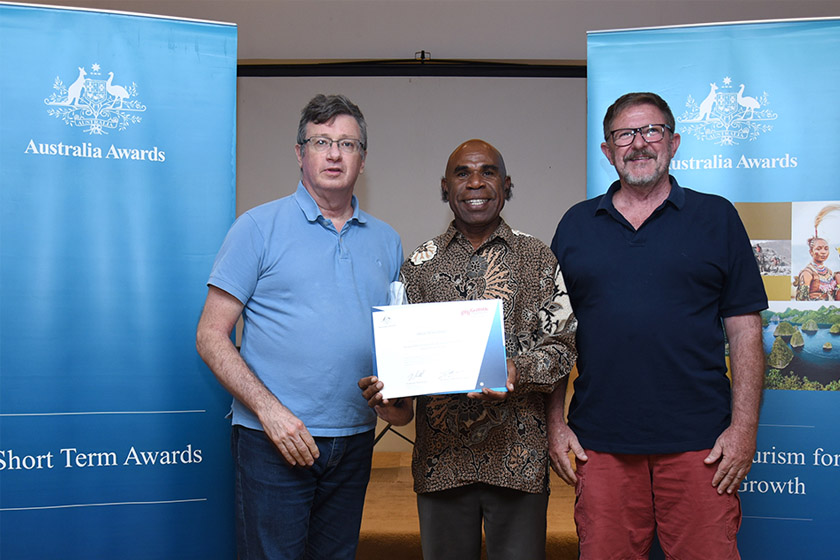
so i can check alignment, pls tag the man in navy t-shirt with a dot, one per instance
(660, 277)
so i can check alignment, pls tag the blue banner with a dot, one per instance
(755, 105)
(117, 149)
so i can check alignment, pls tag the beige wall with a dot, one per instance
(414, 124)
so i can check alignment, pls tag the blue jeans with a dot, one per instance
(285, 512)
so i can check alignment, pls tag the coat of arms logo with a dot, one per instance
(95, 104)
(726, 116)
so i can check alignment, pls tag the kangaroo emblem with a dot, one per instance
(94, 104)
(707, 104)
(74, 90)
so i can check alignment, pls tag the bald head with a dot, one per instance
(474, 146)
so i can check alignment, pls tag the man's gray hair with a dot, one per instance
(323, 108)
(632, 100)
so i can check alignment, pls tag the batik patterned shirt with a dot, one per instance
(462, 441)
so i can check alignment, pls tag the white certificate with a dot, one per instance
(447, 347)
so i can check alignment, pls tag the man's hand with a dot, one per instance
(735, 449)
(372, 391)
(290, 436)
(398, 412)
(561, 440)
(214, 345)
(495, 396)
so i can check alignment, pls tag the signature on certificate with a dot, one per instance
(448, 374)
(415, 376)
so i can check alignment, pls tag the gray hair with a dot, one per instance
(632, 100)
(324, 108)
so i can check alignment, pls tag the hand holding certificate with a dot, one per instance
(446, 347)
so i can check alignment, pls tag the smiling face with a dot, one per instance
(476, 186)
(640, 164)
(333, 172)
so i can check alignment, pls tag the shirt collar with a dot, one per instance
(503, 232)
(312, 212)
(676, 197)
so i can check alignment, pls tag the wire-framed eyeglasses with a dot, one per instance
(345, 145)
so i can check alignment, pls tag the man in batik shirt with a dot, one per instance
(483, 457)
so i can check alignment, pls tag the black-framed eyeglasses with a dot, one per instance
(345, 145)
(650, 133)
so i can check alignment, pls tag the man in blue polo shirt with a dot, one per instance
(656, 273)
(303, 272)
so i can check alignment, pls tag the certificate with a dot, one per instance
(433, 348)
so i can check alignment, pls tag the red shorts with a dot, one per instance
(621, 499)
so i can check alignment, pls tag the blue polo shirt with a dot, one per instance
(649, 304)
(308, 291)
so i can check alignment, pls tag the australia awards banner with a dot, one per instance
(755, 105)
(117, 150)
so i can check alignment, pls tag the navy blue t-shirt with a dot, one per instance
(649, 304)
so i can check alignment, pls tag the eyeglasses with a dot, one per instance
(650, 133)
(324, 144)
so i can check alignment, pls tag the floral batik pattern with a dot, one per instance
(462, 441)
